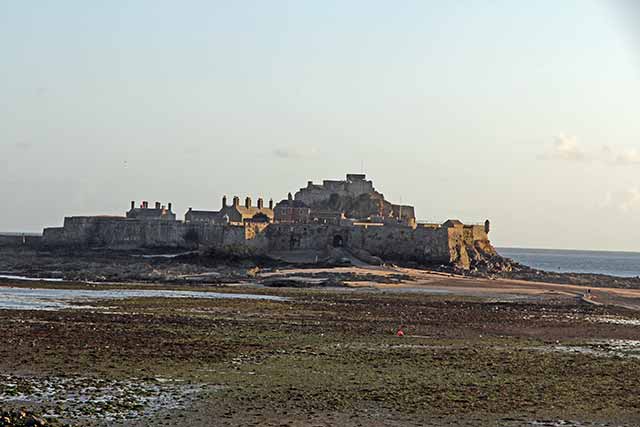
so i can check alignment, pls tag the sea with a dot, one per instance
(623, 264)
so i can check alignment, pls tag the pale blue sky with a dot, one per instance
(522, 112)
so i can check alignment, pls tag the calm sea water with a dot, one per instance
(626, 264)
(55, 299)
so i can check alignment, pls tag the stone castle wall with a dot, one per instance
(425, 244)
(121, 233)
(15, 240)
(422, 244)
(474, 233)
(284, 237)
(389, 242)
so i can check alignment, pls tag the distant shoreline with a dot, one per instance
(520, 248)
(614, 264)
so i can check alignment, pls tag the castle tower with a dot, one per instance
(271, 204)
(247, 202)
(289, 196)
(236, 201)
(260, 203)
(224, 201)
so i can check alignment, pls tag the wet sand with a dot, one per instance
(429, 282)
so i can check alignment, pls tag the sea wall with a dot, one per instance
(15, 240)
(125, 233)
(284, 237)
(424, 244)
(428, 245)
(113, 232)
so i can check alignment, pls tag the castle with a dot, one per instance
(347, 214)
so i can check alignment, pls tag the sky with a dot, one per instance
(525, 113)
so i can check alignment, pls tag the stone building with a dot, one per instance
(291, 211)
(237, 213)
(158, 212)
(206, 217)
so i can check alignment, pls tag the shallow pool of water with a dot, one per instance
(12, 298)
(30, 279)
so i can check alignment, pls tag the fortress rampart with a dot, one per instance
(125, 233)
(421, 244)
(16, 240)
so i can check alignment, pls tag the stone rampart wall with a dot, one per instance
(431, 245)
(120, 233)
(422, 244)
(284, 237)
(117, 233)
(19, 240)
(474, 233)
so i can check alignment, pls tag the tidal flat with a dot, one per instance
(322, 356)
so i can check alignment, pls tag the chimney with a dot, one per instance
(271, 204)
(309, 183)
(169, 206)
(133, 204)
(260, 203)
(224, 201)
(145, 204)
(158, 205)
(247, 202)
(236, 201)
(289, 196)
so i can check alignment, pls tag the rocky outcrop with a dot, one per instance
(23, 418)
(479, 256)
